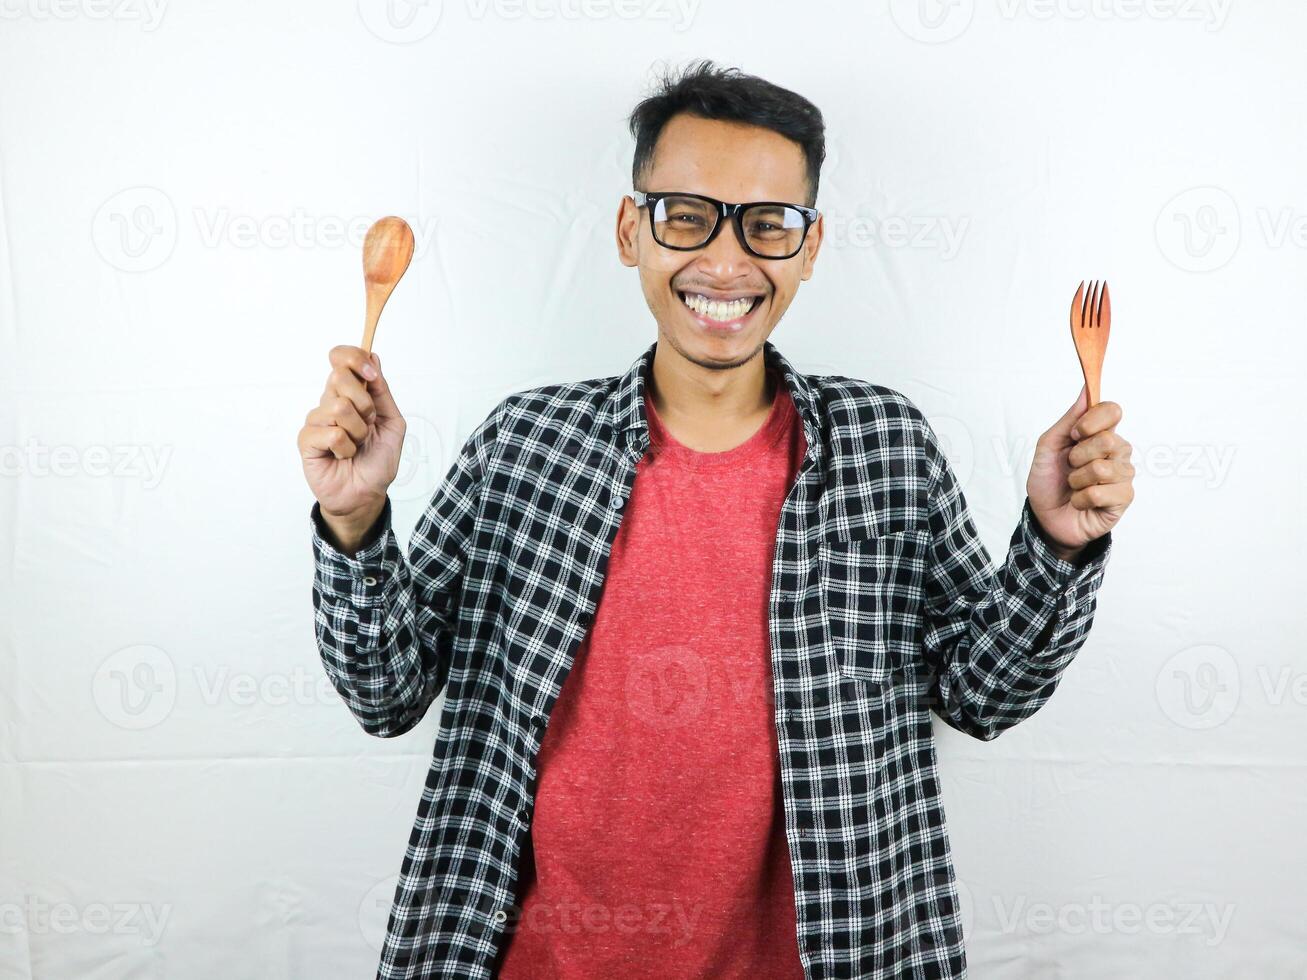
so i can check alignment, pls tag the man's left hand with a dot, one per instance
(1082, 480)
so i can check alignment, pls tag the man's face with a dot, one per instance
(731, 162)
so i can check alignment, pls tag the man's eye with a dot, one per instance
(766, 230)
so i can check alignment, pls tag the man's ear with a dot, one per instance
(811, 245)
(628, 232)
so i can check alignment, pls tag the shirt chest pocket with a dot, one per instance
(874, 588)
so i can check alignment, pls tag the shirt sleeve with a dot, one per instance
(386, 622)
(997, 639)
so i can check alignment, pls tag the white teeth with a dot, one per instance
(716, 309)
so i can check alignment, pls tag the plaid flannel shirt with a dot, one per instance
(884, 609)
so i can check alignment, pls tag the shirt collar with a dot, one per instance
(628, 398)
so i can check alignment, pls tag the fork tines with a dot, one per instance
(1093, 307)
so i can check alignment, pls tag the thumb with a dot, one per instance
(1062, 428)
(379, 389)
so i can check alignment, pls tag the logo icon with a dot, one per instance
(136, 229)
(400, 21)
(1198, 688)
(932, 21)
(135, 687)
(374, 912)
(1199, 229)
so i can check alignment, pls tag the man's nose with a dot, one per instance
(724, 257)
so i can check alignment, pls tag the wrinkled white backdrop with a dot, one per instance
(183, 191)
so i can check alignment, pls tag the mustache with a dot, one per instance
(705, 288)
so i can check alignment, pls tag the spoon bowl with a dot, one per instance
(387, 251)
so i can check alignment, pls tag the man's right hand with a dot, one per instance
(350, 445)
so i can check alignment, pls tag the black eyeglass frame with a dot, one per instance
(733, 212)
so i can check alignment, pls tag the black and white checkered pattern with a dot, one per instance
(884, 608)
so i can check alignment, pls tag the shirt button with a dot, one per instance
(369, 580)
(618, 501)
(524, 815)
(584, 620)
(501, 915)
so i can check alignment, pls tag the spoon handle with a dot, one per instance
(376, 301)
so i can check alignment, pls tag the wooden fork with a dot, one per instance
(1091, 321)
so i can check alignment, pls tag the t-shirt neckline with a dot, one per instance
(665, 445)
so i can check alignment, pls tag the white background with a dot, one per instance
(183, 191)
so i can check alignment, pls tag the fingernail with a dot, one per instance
(369, 372)
(1075, 434)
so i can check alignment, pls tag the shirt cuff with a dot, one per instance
(1040, 570)
(361, 578)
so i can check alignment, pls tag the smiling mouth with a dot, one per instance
(719, 313)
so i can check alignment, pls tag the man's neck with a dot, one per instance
(710, 410)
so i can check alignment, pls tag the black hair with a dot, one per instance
(709, 92)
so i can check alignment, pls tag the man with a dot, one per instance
(691, 621)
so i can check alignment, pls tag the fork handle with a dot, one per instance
(1093, 378)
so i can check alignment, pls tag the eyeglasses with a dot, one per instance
(766, 229)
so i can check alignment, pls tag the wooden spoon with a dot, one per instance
(387, 251)
(1091, 321)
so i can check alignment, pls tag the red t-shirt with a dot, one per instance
(657, 845)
